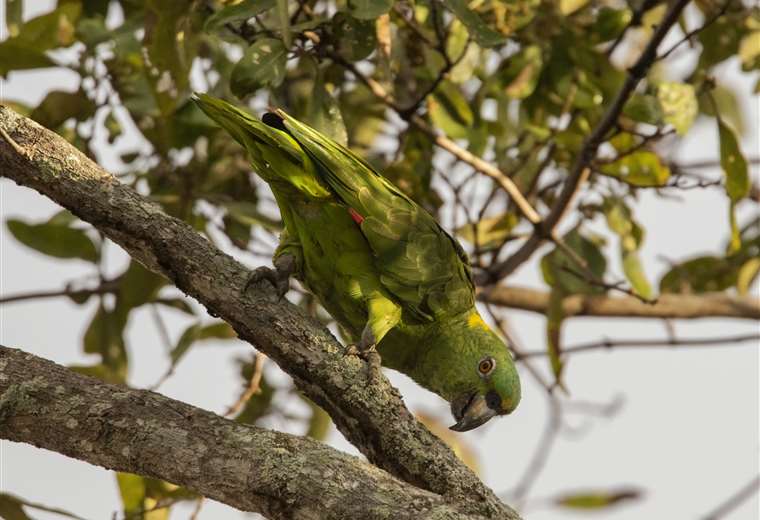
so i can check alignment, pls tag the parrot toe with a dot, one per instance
(366, 350)
(274, 277)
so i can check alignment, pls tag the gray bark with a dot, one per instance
(374, 418)
(279, 475)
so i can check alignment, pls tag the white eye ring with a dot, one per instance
(486, 366)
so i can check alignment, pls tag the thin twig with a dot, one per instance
(197, 510)
(645, 343)
(589, 277)
(541, 453)
(636, 18)
(506, 183)
(710, 163)
(109, 287)
(13, 143)
(689, 35)
(734, 500)
(254, 385)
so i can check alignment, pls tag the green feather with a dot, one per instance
(391, 269)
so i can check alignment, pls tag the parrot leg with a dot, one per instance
(384, 314)
(279, 277)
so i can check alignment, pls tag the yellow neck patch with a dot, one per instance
(474, 321)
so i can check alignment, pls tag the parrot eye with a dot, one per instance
(486, 366)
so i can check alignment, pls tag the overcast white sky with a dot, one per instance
(687, 433)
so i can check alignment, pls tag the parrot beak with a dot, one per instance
(471, 413)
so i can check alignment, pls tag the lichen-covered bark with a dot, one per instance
(277, 474)
(373, 418)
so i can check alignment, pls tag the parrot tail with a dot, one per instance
(276, 156)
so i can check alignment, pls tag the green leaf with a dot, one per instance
(489, 231)
(324, 113)
(105, 336)
(369, 9)
(593, 500)
(735, 241)
(639, 169)
(699, 275)
(733, 163)
(450, 111)
(238, 12)
(98, 371)
(634, 272)
(262, 65)
(55, 240)
(197, 332)
(568, 7)
(749, 51)
(631, 236)
(59, 106)
(11, 508)
(259, 405)
(184, 343)
(520, 77)
(559, 270)
(138, 286)
(132, 491)
(283, 18)
(353, 39)
(18, 56)
(14, 10)
(644, 108)
(555, 316)
(747, 275)
(50, 30)
(179, 304)
(679, 105)
(483, 34)
(219, 330)
(610, 23)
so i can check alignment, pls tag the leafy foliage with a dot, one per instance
(520, 83)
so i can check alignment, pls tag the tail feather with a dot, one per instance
(275, 155)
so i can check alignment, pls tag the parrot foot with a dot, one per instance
(366, 350)
(279, 277)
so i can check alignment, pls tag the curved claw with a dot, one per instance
(279, 277)
(369, 354)
(279, 280)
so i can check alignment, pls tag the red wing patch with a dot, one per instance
(355, 216)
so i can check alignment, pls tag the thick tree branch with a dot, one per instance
(372, 417)
(674, 306)
(580, 169)
(280, 475)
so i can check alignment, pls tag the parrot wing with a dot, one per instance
(419, 263)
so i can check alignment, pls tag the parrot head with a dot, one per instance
(480, 379)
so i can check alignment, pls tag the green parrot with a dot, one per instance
(379, 263)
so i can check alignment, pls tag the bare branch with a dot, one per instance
(279, 475)
(675, 306)
(734, 500)
(580, 169)
(107, 287)
(645, 343)
(447, 144)
(373, 418)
